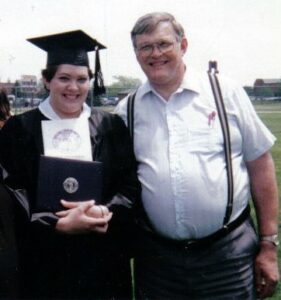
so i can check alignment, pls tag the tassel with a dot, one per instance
(99, 87)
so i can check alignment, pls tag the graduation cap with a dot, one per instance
(67, 48)
(72, 48)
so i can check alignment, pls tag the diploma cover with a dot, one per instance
(67, 179)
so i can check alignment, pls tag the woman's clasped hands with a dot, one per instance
(82, 217)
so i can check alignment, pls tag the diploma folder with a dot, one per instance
(67, 179)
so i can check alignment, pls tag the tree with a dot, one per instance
(263, 92)
(122, 83)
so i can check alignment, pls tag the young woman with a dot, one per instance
(80, 252)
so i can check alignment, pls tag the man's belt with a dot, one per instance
(206, 241)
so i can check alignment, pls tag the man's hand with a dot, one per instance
(82, 217)
(266, 270)
(265, 196)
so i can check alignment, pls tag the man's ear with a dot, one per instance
(184, 45)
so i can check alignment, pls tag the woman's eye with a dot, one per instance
(82, 80)
(63, 78)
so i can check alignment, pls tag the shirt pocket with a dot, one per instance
(204, 140)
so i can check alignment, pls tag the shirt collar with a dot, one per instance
(47, 110)
(191, 82)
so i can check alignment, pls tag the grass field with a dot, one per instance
(270, 113)
(271, 116)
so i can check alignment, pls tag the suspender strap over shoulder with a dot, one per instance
(212, 72)
(130, 114)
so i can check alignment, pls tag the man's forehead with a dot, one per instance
(163, 31)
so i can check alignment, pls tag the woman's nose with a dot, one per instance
(73, 85)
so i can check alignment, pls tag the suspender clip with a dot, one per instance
(213, 66)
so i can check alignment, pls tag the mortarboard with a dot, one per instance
(67, 47)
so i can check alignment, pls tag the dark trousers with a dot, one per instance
(222, 270)
(8, 249)
(56, 266)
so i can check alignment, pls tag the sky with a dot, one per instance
(244, 36)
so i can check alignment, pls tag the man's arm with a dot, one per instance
(265, 196)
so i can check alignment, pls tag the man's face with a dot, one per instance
(160, 55)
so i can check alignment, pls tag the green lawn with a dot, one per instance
(270, 113)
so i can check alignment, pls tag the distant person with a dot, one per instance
(5, 113)
(5, 110)
(184, 249)
(8, 249)
(81, 252)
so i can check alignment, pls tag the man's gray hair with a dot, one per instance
(149, 22)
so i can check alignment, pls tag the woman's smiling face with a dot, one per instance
(68, 90)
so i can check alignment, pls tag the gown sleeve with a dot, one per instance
(20, 148)
(113, 146)
(12, 159)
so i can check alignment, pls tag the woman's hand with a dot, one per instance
(98, 211)
(82, 217)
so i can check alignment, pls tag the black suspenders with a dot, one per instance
(212, 72)
(224, 126)
(130, 114)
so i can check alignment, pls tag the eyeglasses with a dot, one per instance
(162, 47)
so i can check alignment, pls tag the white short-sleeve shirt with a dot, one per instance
(179, 148)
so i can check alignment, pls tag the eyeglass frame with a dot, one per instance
(151, 47)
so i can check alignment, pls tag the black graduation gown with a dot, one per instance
(8, 249)
(55, 265)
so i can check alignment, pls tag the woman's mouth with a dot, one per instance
(71, 96)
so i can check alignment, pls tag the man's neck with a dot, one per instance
(167, 89)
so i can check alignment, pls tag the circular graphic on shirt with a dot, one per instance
(70, 185)
(67, 141)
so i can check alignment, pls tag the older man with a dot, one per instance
(183, 251)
